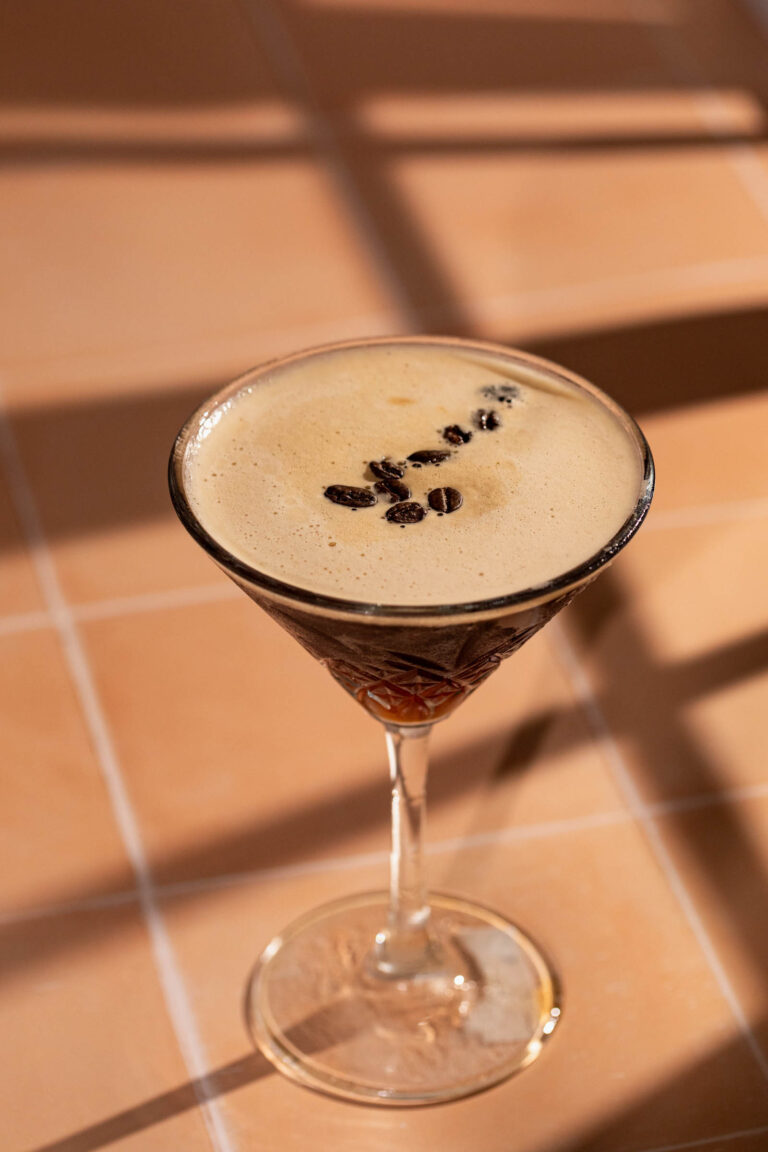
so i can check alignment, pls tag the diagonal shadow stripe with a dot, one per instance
(279, 841)
(121, 443)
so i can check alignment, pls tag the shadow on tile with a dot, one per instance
(140, 55)
(667, 364)
(696, 1091)
(256, 845)
(642, 696)
(100, 465)
(138, 59)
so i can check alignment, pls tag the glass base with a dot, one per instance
(319, 1007)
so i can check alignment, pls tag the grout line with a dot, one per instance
(171, 980)
(712, 273)
(275, 341)
(157, 601)
(24, 622)
(646, 819)
(381, 856)
(742, 157)
(726, 512)
(515, 834)
(269, 29)
(684, 804)
(70, 907)
(708, 1141)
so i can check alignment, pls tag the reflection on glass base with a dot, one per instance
(481, 1009)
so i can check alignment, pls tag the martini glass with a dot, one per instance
(400, 997)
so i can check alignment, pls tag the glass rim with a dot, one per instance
(282, 590)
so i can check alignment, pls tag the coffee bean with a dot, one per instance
(486, 419)
(395, 489)
(409, 513)
(445, 499)
(386, 469)
(350, 497)
(429, 456)
(456, 435)
(504, 393)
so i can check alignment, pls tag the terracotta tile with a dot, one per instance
(241, 752)
(60, 842)
(697, 385)
(568, 126)
(92, 1046)
(642, 1059)
(674, 638)
(189, 215)
(188, 234)
(98, 471)
(189, 53)
(558, 221)
(721, 41)
(722, 855)
(161, 255)
(138, 81)
(19, 590)
(709, 454)
(750, 1142)
(510, 120)
(398, 49)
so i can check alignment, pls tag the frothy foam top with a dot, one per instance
(542, 492)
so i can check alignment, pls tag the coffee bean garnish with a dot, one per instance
(504, 393)
(386, 469)
(486, 419)
(395, 489)
(350, 497)
(456, 435)
(445, 499)
(408, 513)
(429, 456)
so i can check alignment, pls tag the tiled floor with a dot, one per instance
(190, 187)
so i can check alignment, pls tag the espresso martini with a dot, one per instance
(412, 474)
(411, 510)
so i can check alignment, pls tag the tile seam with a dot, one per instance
(647, 821)
(714, 273)
(730, 272)
(517, 834)
(708, 1141)
(171, 981)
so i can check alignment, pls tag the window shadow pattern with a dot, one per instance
(121, 442)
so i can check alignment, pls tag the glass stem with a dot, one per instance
(405, 947)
